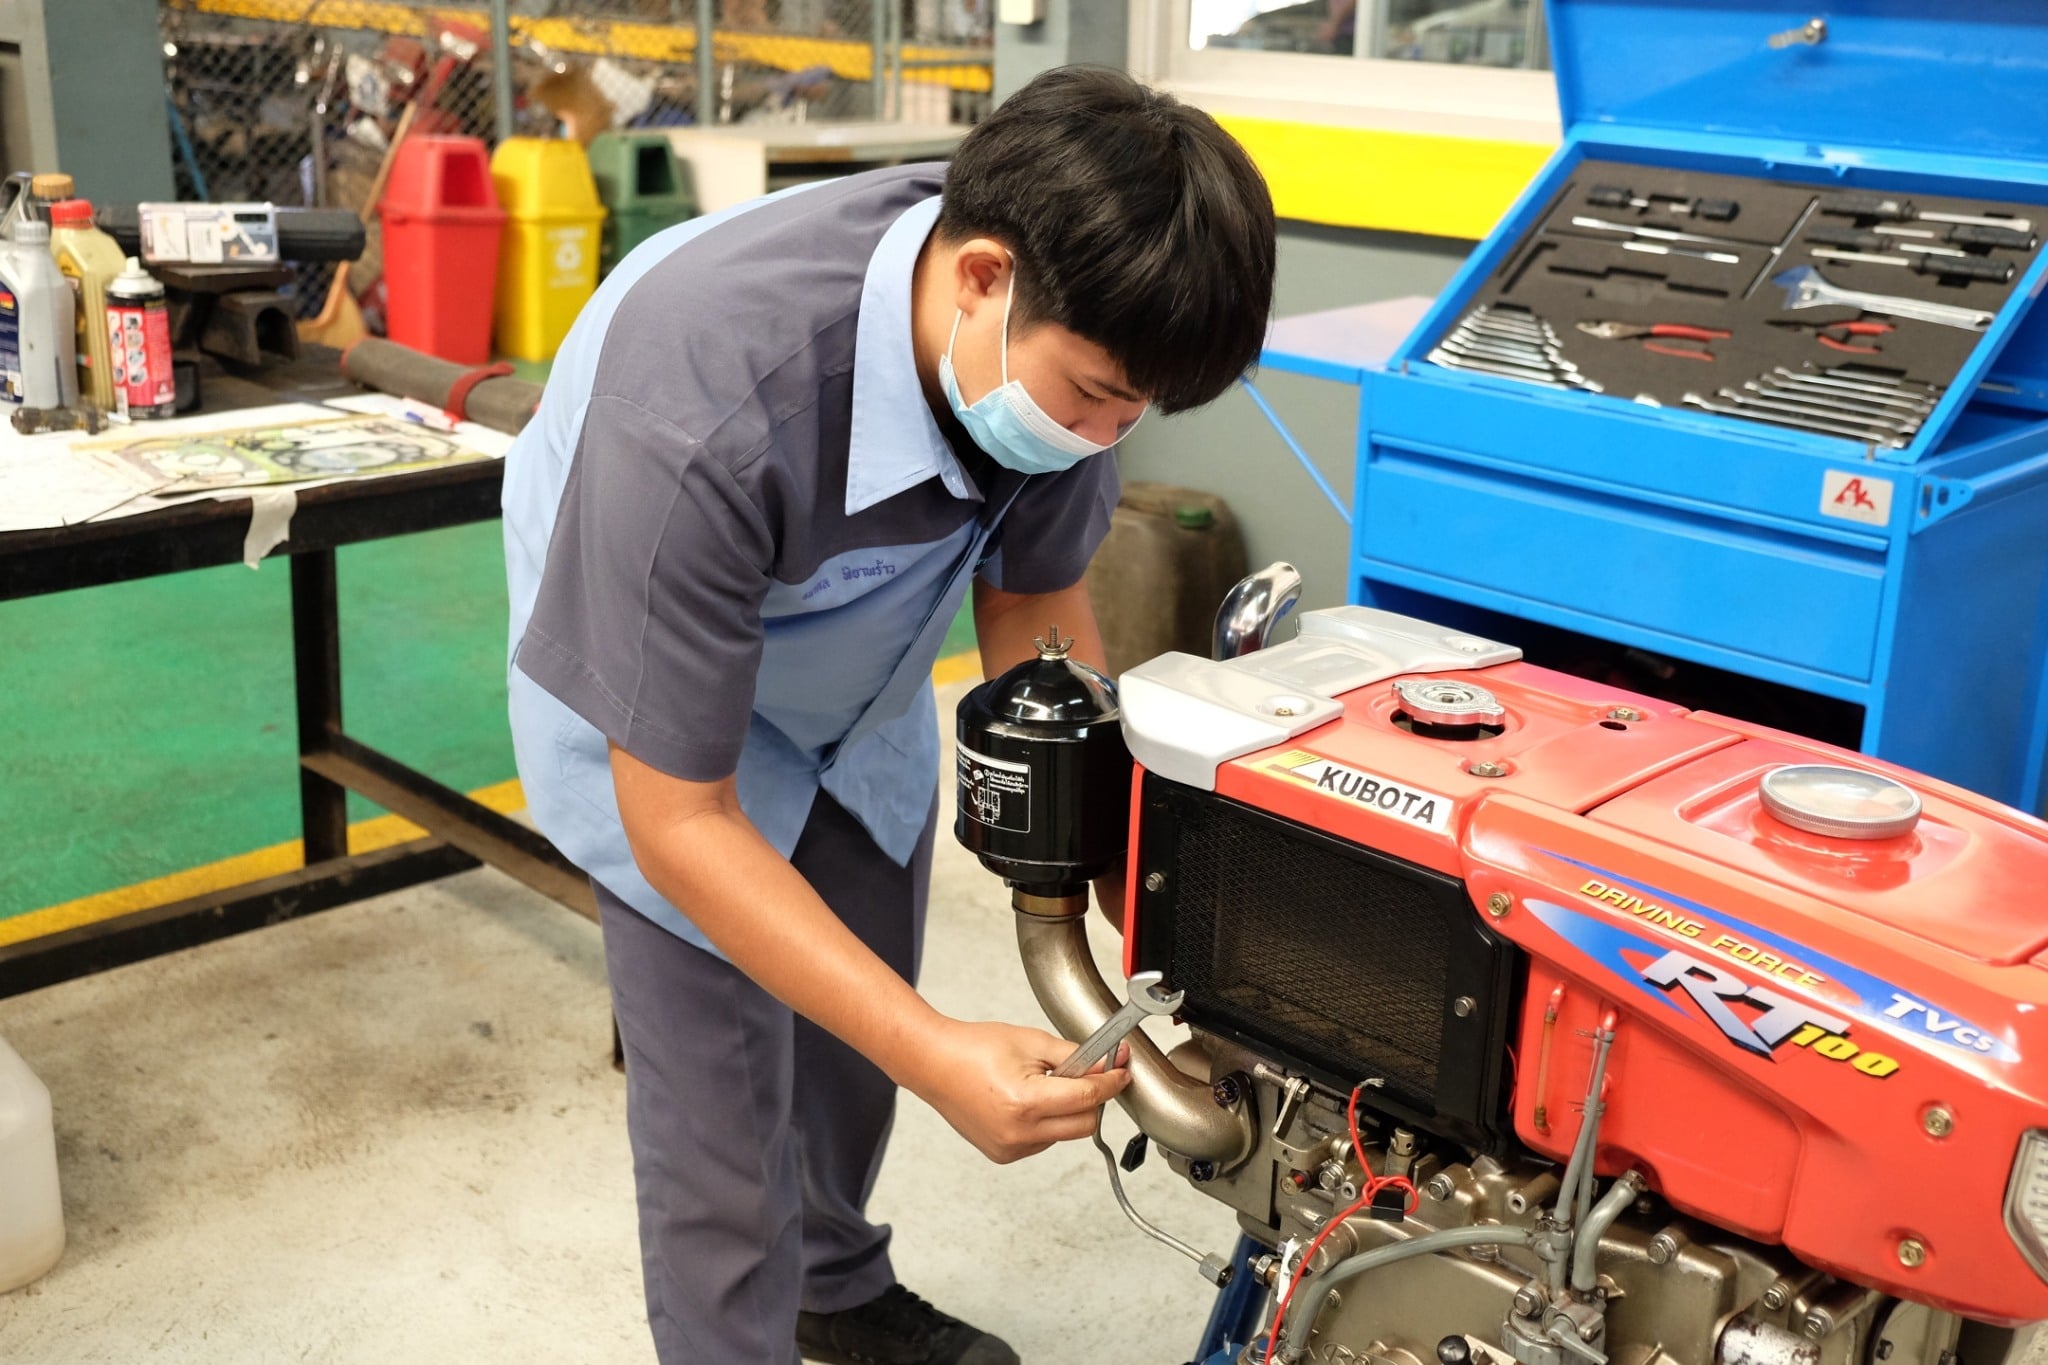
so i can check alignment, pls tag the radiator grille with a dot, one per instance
(1328, 956)
(1339, 962)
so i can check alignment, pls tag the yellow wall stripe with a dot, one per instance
(1392, 182)
(848, 58)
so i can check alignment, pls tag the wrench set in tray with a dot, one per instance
(1796, 305)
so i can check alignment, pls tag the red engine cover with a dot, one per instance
(1793, 1008)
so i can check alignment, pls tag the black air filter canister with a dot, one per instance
(1044, 778)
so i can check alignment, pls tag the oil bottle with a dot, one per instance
(89, 259)
(29, 195)
(38, 333)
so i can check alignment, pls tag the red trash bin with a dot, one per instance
(442, 225)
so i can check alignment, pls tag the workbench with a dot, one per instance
(332, 763)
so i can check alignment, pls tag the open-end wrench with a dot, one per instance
(1476, 328)
(1806, 287)
(1854, 433)
(1461, 343)
(1508, 322)
(1799, 407)
(1534, 366)
(1903, 393)
(1898, 383)
(1523, 335)
(1146, 1000)
(1894, 403)
(1451, 360)
(1512, 336)
(1854, 403)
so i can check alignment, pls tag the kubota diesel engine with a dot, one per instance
(1537, 1021)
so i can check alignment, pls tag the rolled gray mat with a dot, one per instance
(484, 394)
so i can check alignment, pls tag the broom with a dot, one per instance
(340, 321)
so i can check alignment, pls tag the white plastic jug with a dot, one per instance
(31, 1213)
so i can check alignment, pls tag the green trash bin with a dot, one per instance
(642, 185)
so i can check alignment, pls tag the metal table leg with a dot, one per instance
(316, 658)
(461, 832)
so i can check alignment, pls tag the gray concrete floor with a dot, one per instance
(392, 1132)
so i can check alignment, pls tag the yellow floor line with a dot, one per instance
(365, 836)
(956, 669)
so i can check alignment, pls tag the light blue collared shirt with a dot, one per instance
(843, 699)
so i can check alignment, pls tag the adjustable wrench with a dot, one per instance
(1806, 287)
(1146, 999)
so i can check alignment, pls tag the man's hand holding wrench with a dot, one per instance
(1146, 999)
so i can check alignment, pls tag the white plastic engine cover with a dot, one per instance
(1184, 716)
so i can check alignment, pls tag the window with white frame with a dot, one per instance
(1503, 33)
(1464, 68)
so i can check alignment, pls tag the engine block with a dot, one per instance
(1673, 1290)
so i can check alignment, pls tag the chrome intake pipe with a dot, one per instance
(1176, 1110)
(1252, 608)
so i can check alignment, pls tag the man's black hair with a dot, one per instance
(1135, 222)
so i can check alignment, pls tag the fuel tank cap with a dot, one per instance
(1843, 803)
(1446, 701)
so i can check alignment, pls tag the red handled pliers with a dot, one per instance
(1839, 336)
(1650, 331)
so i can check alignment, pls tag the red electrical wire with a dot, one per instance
(1371, 1186)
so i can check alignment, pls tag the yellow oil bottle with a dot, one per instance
(90, 259)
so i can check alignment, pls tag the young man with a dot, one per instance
(775, 453)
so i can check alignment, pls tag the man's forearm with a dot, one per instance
(1006, 624)
(989, 1080)
(768, 921)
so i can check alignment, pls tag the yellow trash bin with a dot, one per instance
(547, 268)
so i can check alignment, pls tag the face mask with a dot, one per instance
(1008, 423)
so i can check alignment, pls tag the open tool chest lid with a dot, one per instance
(1832, 221)
(1968, 80)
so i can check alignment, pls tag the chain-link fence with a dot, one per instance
(295, 101)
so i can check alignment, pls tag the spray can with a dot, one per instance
(139, 343)
(38, 344)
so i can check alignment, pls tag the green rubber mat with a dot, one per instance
(148, 727)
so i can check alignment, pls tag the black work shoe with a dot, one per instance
(897, 1328)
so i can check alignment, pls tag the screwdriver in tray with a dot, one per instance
(1889, 210)
(1967, 234)
(1956, 267)
(1620, 197)
(1858, 239)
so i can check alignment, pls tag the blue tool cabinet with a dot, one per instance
(1911, 582)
